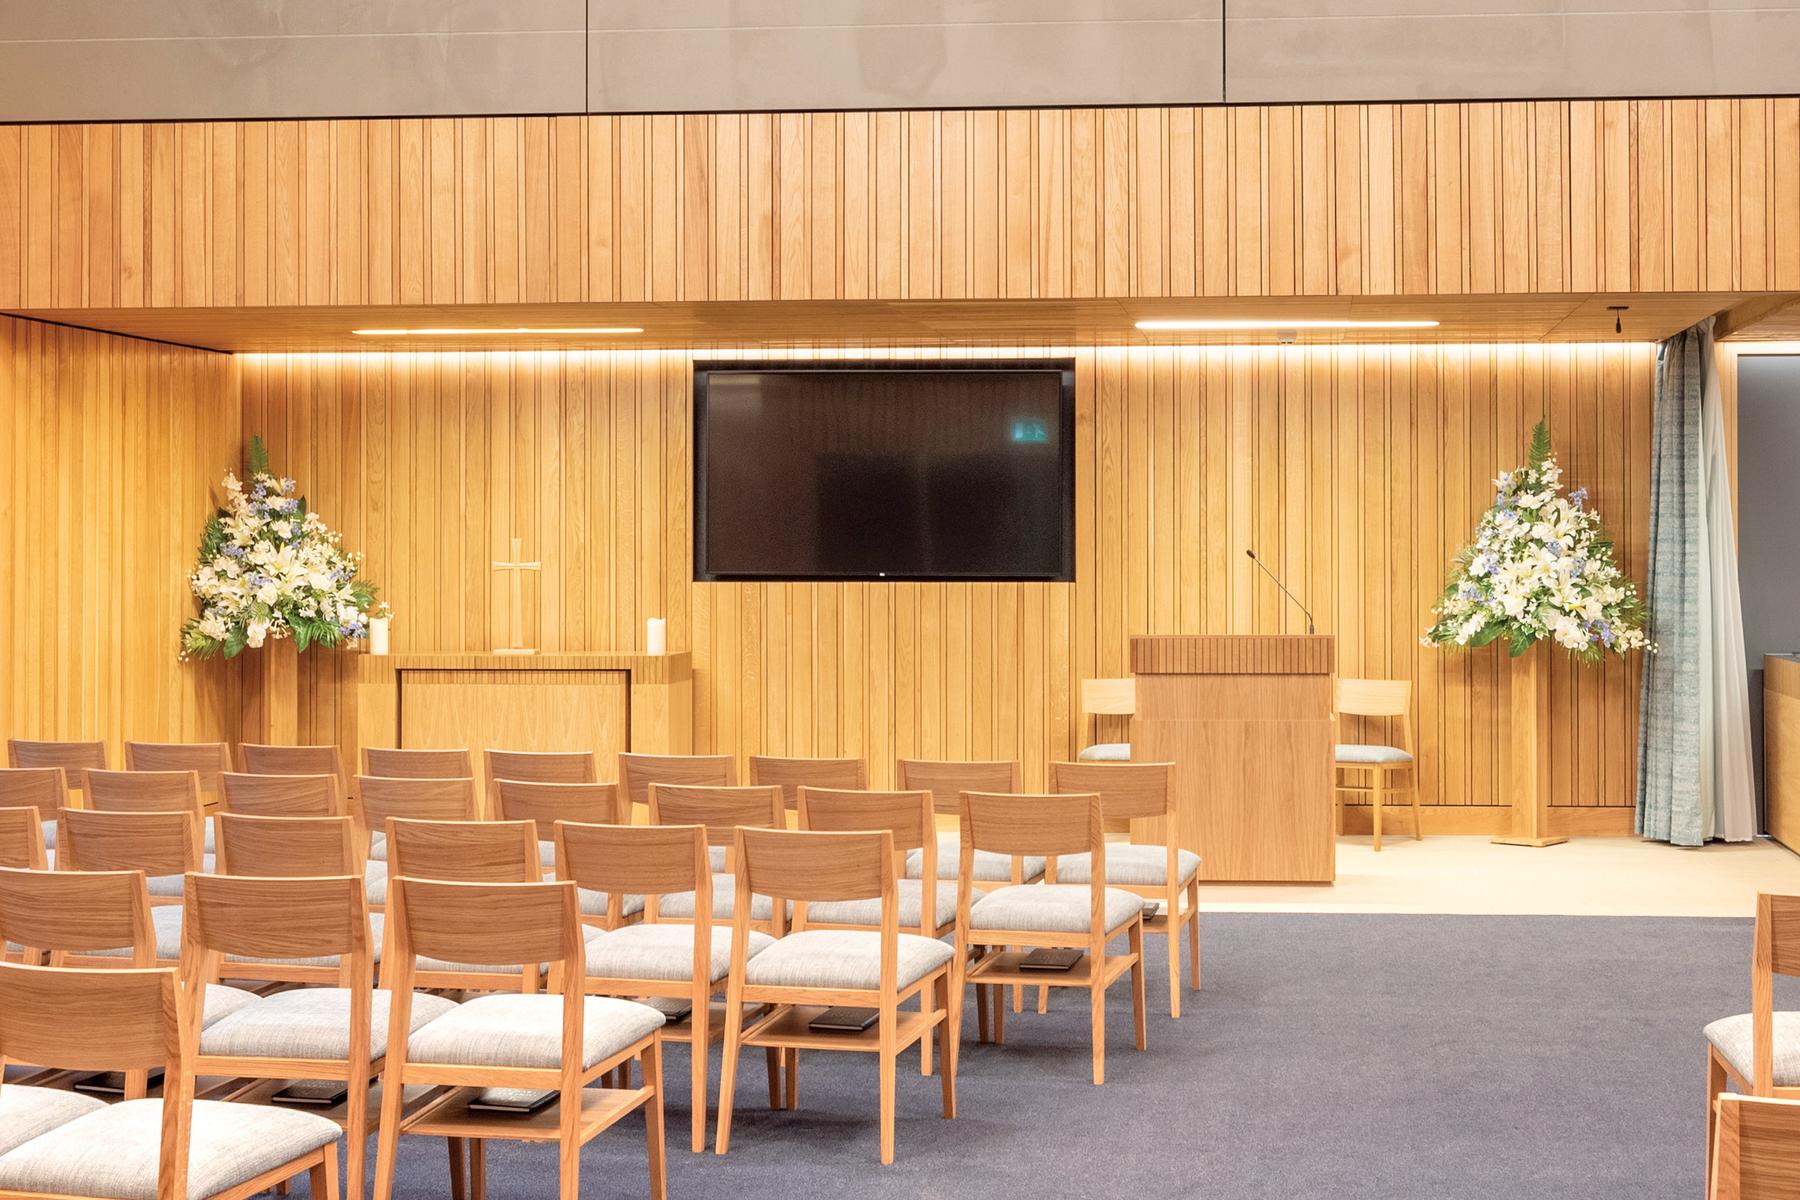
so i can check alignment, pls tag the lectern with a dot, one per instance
(1247, 721)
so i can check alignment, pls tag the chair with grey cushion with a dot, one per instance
(672, 965)
(721, 810)
(164, 845)
(637, 772)
(792, 774)
(208, 760)
(319, 795)
(296, 928)
(947, 781)
(548, 803)
(73, 759)
(1111, 703)
(540, 766)
(1084, 917)
(378, 797)
(293, 848)
(171, 1148)
(561, 1041)
(262, 759)
(40, 788)
(155, 792)
(807, 970)
(1370, 769)
(26, 1111)
(1759, 1051)
(1134, 793)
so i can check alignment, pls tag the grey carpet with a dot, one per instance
(1328, 1056)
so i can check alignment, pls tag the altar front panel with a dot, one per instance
(517, 710)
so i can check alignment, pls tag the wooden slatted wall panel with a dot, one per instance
(112, 449)
(1356, 472)
(1614, 195)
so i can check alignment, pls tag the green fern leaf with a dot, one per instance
(257, 463)
(1540, 444)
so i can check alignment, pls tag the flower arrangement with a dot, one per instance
(270, 568)
(1540, 567)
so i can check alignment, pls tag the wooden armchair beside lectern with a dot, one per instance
(1247, 722)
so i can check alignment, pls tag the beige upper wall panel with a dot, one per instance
(737, 55)
(1280, 51)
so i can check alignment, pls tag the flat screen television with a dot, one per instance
(884, 470)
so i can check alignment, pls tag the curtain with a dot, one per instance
(1694, 774)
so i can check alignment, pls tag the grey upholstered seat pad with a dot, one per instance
(1138, 866)
(1351, 752)
(222, 1002)
(26, 1112)
(868, 912)
(664, 952)
(49, 834)
(1731, 1036)
(843, 958)
(164, 886)
(311, 1022)
(1050, 908)
(378, 847)
(517, 1030)
(989, 867)
(1106, 752)
(716, 855)
(114, 1153)
(724, 887)
(593, 903)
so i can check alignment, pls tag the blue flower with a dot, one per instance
(1505, 514)
(1554, 547)
(1578, 497)
(233, 550)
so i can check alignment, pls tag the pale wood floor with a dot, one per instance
(1585, 877)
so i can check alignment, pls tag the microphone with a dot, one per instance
(1251, 555)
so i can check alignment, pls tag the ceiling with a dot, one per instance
(1562, 317)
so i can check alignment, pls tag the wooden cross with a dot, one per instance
(518, 567)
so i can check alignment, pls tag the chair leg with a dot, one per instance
(459, 1164)
(1715, 1085)
(1043, 999)
(1137, 981)
(889, 1056)
(950, 1002)
(568, 1149)
(981, 1012)
(700, 1027)
(999, 1022)
(927, 1004)
(1174, 964)
(1193, 923)
(776, 1087)
(1375, 789)
(1097, 1017)
(654, 1146)
(388, 1136)
(356, 1124)
(478, 1169)
(791, 1069)
(734, 1036)
(324, 1175)
(1418, 823)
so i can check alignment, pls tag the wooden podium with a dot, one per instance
(1247, 721)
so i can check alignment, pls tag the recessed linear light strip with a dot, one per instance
(490, 331)
(1229, 324)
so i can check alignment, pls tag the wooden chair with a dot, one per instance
(1055, 915)
(791, 774)
(1750, 1051)
(562, 1041)
(638, 771)
(467, 852)
(588, 803)
(73, 759)
(155, 791)
(261, 759)
(171, 1147)
(1756, 1149)
(283, 795)
(1111, 702)
(163, 845)
(305, 931)
(379, 797)
(43, 788)
(414, 763)
(809, 970)
(675, 965)
(22, 842)
(208, 760)
(947, 781)
(1140, 792)
(540, 766)
(721, 810)
(1372, 764)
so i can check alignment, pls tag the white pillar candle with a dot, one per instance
(656, 636)
(378, 635)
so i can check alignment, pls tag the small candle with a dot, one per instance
(378, 635)
(656, 636)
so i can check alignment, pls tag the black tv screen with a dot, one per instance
(859, 470)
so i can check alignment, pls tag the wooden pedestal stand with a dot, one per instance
(271, 685)
(1530, 782)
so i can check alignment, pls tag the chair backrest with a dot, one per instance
(409, 763)
(907, 816)
(72, 912)
(277, 847)
(87, 1020)
(284, 795)
(73, 759)
(947, 781)
(1020, 824)
(548, 803)
(208, 760)
(792, 774)
(22, 839)
(466, 851)
(636, 860)
(1776, 951)
(379, 797)
(638, 771)
(279, 919)
(720, 809)
(1109, 697)
(261, 759)
(1377, 698)
(42, 788)
(494, 923)
(1127, 791)
(541, 766)
(145, 792)
(805, 866)
(1756, 1149)
(156, 843)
